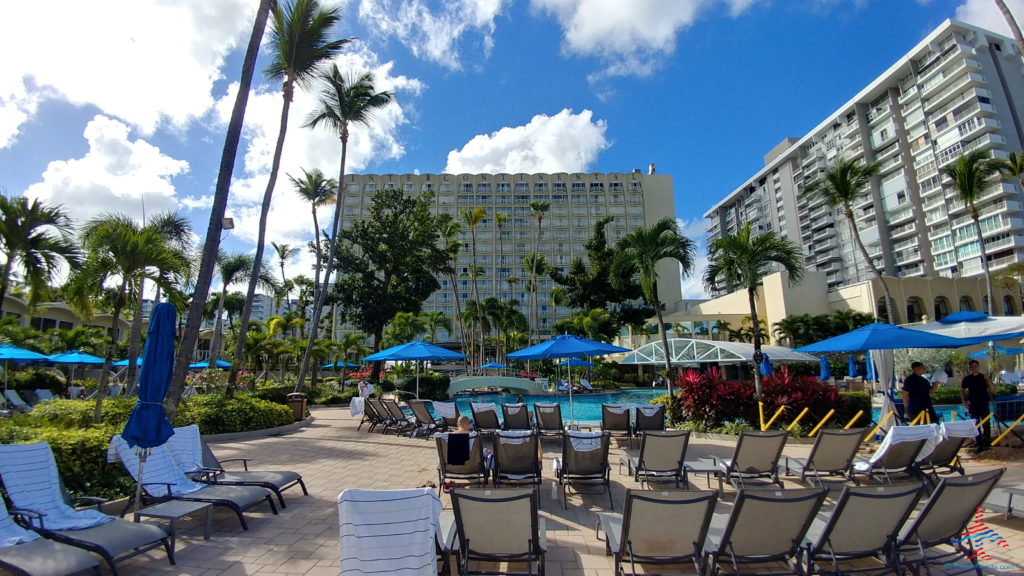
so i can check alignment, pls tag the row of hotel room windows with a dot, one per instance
(485, 187)
(941, 307)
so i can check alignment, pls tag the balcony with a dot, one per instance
(900, 216)
(970, 80)
(907, 229)
(942, 78)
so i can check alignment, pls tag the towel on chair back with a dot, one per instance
(186, 447)
(458, 449)
(388, 531)
(159, 467)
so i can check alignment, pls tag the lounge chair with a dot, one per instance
(485, 417)
(449, 412)
(946, 453)
(764, 526)
(562, 386)
(515, 417)
(15, 401)
(515, 460)
(473, 471)
(659, 528)
(832, 455)
(30, 477)
(24, 553)
(389, 531)
(661, 458)
(382, 413)
(757, 456)
(650, 417)
(194, 456)
(397, 420)
(863, 525)
(943, 522)
(898, 452)
(162, 479)
(584, 462)
(519, 535)
(425, 421)
(549, 419)
(114, 390)
(43, 394)
(586, 385)
(615, 421)
(371, 416)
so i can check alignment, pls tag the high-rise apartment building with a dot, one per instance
(576, 202)
(959, 89)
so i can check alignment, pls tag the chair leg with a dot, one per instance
(170, 551)
(303, 486)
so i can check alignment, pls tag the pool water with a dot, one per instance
(586, 408)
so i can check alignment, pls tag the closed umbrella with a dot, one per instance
(147, 426)
(870, 361)
(766, 367)
(417, 351)
(852, 368)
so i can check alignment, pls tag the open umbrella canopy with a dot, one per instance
(415, 350)
(147, 426)
(14, 354)
(124, 362)
(576, 362)
(494, 365)
(566, 346)
(204, 365)
(998, 350)
(824, 372)
(341, 364)
(976, 327)
(881, 337)
(75, 357)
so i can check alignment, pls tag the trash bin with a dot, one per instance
(297, 402)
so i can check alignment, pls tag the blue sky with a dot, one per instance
(128, 109)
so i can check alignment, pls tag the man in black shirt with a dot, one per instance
(976, 391)
(917, 394)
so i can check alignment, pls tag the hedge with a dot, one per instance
(433, 386)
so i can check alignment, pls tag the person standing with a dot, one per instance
(917, 394)
(976, 391)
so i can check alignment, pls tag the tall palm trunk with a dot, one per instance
(108, 359)
(476, 296)
(890, 304)
(664, 333)
(220, 200)
(992, 308)
(218, 327)
(284, 283)
(134, 340)
(332, 246)
(458, 311)
(1012, 22)
(261, 239)
(5, 282)
(752, 300)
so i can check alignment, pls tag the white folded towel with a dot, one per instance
(616, 408)
(388, 531)
(11, 533)
(186, 447)
(514, 408)
(159, 469)
(585, 441)
(514, 436)
(959, 429)
(445, 409)
(484, 407)
(648, 409)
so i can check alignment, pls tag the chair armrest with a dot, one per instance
(244, 461)
(27, 516)
(166, 485)
(90, 501)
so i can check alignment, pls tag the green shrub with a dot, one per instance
(329, 395)
(78, 413)
(386, 386)
(849, 404)
(35, 379)
(275, 394)
(216, 414)
(951, 394)
(433, 386)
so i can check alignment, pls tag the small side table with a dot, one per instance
(174, 510)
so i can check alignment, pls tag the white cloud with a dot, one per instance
(116, 175)
(565, 142)
(984, 13)
(693, 285)
(629, 38)
(432, 34)
(144, 61)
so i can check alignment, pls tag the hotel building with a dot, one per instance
(960, 89)
(577, 202)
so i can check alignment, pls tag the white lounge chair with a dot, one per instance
(24, 552)
(16, 402)
(901, 448)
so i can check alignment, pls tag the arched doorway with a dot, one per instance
(966, 304)
(941, 307)
(1009, 308)
(915, 309)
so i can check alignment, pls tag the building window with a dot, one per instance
(941, 307)
(1008, 307)
(966, 304)
(915, 309)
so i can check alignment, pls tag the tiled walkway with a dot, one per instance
(332, 456)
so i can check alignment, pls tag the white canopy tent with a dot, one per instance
(975, 327)
(692, 351)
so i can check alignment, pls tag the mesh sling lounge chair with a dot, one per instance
(425, 421)
(485, 417)
(864, 524)
(29, 474)
(898, 452)
(449, 412)
(584, 462)
(659, 528)
(389, 531)
(385, 419)
(946, 453)
(661, 458)
(765, 526)
(17, 402)
(549, 419)
(944, 522)
(615, 421)
(515, 417)
(518, 536)
(397, 419)
(24, 553)
(371, 416)
(162, 480)
(194, 456)
(757, 456)
(473, 471)
(648, 418)
(515, 460)
(832, 455)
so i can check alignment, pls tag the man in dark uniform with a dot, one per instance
(976, 391)
(917, 394)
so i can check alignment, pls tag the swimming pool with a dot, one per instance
(586, 407)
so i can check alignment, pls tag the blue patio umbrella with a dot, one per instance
(824, 372)
(494, 365)
(881, 337)
(124, 362)
(1000, 350)
(766, 367)
(341, 364)
(871, 376)
(147, 426)
(576, 362)
(11, 353)
(851, 371)
(75, 357)
(417, 351)
(204, 365)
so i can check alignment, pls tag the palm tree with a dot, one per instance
(285, 252)
(436, 320)
(1014, 27)
(499, 222)
(298, 45)
(450, 230)
(318, 191)
(739, 262)
(234, 268)
(344, 101)
(220, 201)
(351, 347)
(637, 255)
(37, 237)
(844, 184)
(972, 173)
(538, 208)
(116, 247)
(471, 219)
(534, 263)
(1013, 168)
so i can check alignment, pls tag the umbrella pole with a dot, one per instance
(417, 380)
(568, 377)
(143, 453)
